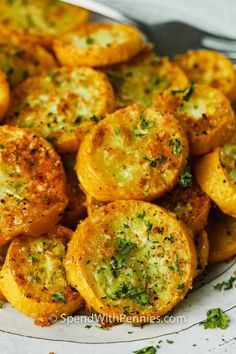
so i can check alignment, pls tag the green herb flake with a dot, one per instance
(78, 120)
(94, 118)
(178, 147)
(169, 341)
(89, 40)
(136, 294)
(124, 248)
(181, 287)
(142, 215)
(146, 350)
(88, 326)
(117, 131)
(58, 297)
(1, 305)
(145, 123)
(186, 178)
(2, 147)
(225, 285)
(187, 92)
(170, 238)
(216, 318)
(33, 259)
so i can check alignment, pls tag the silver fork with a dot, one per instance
(169, 38)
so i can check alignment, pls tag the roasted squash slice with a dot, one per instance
(216, 174)
(134, 153)
(98, 44)
(22, 61)
(189, 203)
(131, 259)
(209, 68)
(33, 276)
(205, 114)
(4, 95)
(202, 247)
(38, 21)
(32, 184)
(62, 105)
(3, 252)
(143, 77)
(222, 236)
(76, 208)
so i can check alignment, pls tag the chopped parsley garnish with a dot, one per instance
(2, 147)
(169, 341)
(186, 178)
(225, 285)
(25, 74)
(146, 350)
(124, 248)
(58, 297)
(89, 40)
(128, 291)
(216, 318)
(126, 310)
(50, 73)
(180, 287)
(170, 238)
(178, 147)
(175, 267)
(142, 215)
(1, 305)
(78, 120)
(187, 92)
(145, 123)
(94, 118)
(162, 158)
(52, 140)
(117, 131)
(88, 326)
(149, 227)
(32, 259)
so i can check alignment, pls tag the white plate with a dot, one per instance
(185, 330)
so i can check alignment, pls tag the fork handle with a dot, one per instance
(110, 12)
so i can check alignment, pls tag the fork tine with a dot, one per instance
(218, 44)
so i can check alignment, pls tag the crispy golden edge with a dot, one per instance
(69, 143)
(202, 247)
(215, 183)
(13, 288)
(45, 40)
(196, 206)
(69, 55)
(51, 216)
(221, 231)
(77, 275)
(4, 95)
(205, 142)
(202, 58)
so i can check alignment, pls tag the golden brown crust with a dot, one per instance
(76, 209)
(205, 114)
(33, 187)
(62, 105)
(131, 257)
(202, 247)
(215, 182)
(222, 236)
(37, 21)
(143, 77)
(20, 61)
(209, 68)
(98, 45)
(33, 276)
(92, 204)
(4, 95)
(191, 205)
(134, 153)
